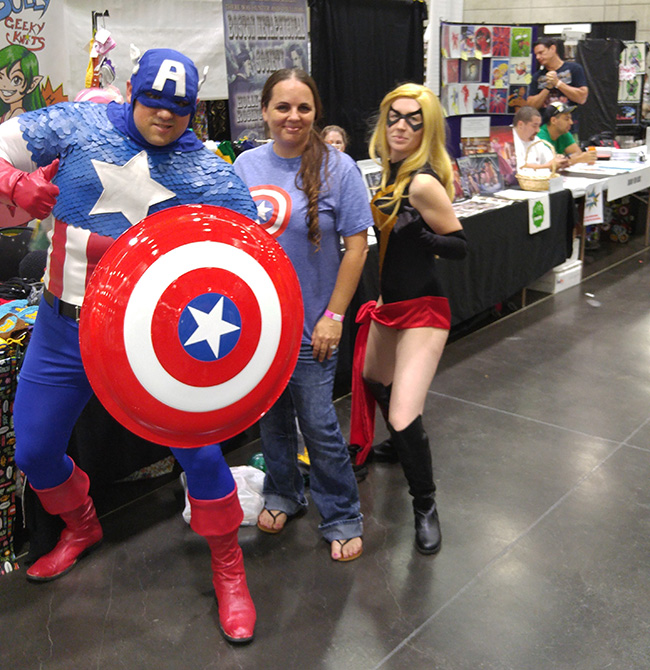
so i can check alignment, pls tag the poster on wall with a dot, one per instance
(484, 68)
(261, 37)
(633, 57)
(501, 41)
(630, 90)
(521, 40)
(483, 39)
(32, 72)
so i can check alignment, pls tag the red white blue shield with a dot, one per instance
(191, 325)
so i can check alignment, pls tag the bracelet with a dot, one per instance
(335, 317)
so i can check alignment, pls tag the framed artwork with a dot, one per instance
(520, 71)
(481, 99)
(634, 56)
(502, 143)
(627, 114)
(501, 41)
(454, 41)
(459, 193)
(467, 44)
(498, 101)
(450, 71)
(630, 90)
(480, 174)
(470, 70)
(483, 40)
(517, 96)
(520, 41)
(499, 71)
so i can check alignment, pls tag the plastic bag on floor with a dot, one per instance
(249, 482)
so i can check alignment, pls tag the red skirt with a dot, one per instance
(427, 312)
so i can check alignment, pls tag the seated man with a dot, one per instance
(526, 125)
(556, 131)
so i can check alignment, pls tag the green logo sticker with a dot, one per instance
(538, 214)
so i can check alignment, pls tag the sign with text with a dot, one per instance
(630, 182)
(261, 37)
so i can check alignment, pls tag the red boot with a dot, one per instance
(82, 533)
(218, 521)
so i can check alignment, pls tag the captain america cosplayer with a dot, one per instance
(116, 164)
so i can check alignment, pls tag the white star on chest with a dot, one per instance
(210, 327)
(263, 210)
(128, 189)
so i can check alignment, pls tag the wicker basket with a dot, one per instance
(531, 182)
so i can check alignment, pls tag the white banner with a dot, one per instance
(539, 214)
(193, 27)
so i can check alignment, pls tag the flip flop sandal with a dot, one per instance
(345, 559)
(275, 516)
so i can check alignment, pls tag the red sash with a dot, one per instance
(429, 311)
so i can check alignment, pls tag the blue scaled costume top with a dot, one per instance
(82, 135)
(109, 179)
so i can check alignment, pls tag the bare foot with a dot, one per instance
(347, 550)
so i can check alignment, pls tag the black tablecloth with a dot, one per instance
(503, 257)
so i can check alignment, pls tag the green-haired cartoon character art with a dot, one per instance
(19, 82)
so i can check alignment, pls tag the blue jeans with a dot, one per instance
(331, 479)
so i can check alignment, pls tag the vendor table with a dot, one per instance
(503, 257)
(618, 179)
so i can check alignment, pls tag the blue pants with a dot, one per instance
(53, 390)
(331, 479)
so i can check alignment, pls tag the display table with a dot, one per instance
(617, 178)
(503, 257)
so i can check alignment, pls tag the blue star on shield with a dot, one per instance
(209, 327)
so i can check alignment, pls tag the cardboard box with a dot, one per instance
(559, 278)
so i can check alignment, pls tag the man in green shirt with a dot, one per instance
(556, 131)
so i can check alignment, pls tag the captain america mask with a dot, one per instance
(165, 78)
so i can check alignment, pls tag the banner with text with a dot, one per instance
(33, 67)
(261, 37)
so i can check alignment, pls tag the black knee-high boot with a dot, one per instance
(384, 452)
(412, 446)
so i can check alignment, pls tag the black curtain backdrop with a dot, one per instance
(599, 58)
(361, 49)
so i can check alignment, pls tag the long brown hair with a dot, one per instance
(308, 178)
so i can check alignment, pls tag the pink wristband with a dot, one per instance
(335, 317)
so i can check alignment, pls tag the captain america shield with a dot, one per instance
(191, 325)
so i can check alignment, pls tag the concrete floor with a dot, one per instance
(540, 432)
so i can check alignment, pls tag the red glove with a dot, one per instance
(33, 191)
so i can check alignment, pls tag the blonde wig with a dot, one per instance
(432, 149)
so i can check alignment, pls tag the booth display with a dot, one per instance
(485, 69)
(632, 76)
